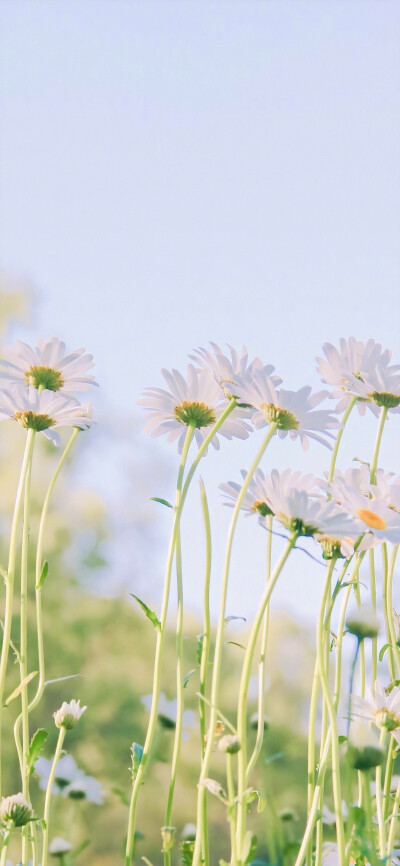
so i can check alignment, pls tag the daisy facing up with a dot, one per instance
(48, 366)
(195, 402)
(292, 411)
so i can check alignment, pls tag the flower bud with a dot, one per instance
(364, 751)
(168, 834)
(214, 788)
(363, 623)
(68, 715)
(16, 809)
(229, 744)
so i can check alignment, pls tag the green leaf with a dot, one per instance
(187, 677)
(149, 613)
(42, 578)
(161, 501)
(252, 794)
(20, 687)
(187, 848)
(37, 742)
(200, 640)
(249, 847)
(383, 650)
(61, 679)
(235, 643)
(342, 739)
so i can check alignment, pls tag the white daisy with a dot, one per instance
(48, 366)
(196, 401)
(255, 500)
(43, 411)
(383, 709)
(68, 714)
(380, 522)
(380, 389)
(330, 855)
(167, 712)
(292, 411)
(85, 788)
(291, 499)
(349, 366)
(59, 846)
(66, 772)
(225, 369)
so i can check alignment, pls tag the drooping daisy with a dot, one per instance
(292, 501)
(225, 369)
(196, 401)
(43, 411)
(48, 366)
(349, 366)
(167, 711)
(255, 500)
(383, 709)
(380, 522)
(293, 411)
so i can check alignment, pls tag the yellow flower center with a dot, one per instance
(371, 519)
(282, 417)
(194, 414)
(45, 378)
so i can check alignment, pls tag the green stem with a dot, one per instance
(231, 807)
(393, 823)
(389, 608)
(158, 654)
(341, 626)
(38, 588)
(374, 464)
(179, 695)
(219, 646)
(3, 858)
(307, 835)
(379, 804)
(205, 655)
(49, 790)
(243, 690)
(390, 636)
(369, 820)
(338, 439)
(11, 574)
(261, 666)
(337, 795)
(374, 648)
(351, 683)
(391, 755)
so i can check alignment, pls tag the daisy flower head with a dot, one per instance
(381, 389)
(255, 500)
(292, 500)
(382, 709)
(192, 402)
(292, 411)
(48, 367)
(42, 411)
(68, 715)
(85, 788)
(67, 772)
(378, 519)
(226, 368)
(349, 366)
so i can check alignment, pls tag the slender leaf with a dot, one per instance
(45, 571)
(235, 643)
(187, 677)
(149, 613)
(20, 687)
(230, 618)
(37, 742)
(161, 501)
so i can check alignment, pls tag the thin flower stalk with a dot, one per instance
(4, 851)
(374, 464)
(205, 655)
(341, 626)
(261, 665)
(389, 607)
(179, 695)
(219, 646)
(49, 789)
(379, 802)
(158, 653)
(243, 691)
(393, 823)
(387, 612)
(374, 642)
(366, 800)
(339, 438)
(231, 807)
(11, 574)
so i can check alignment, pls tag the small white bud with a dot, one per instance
(68, 715)
(16, 809)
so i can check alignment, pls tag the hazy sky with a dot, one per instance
(175, 172)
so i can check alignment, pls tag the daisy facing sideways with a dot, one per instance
(383, 709)
(43, 411)
(349, 366)
(48, 367)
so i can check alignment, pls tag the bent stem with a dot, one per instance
(49, 789)
(243, 690)
(261, 667)
(158, 653)
(219, 646)
(11, 574)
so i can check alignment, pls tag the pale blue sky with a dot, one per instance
(174, 172)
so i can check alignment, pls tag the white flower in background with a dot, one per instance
(329, 818)
(380, 389)
(68, 714)
(293, 411)
(59, 846)
(43, 411)
(225, 369)
(196, 401)
(16, 809)
(380, 521)
(166, 714)
(349, 366)
(363, 622)
(48, 366)
(85, 788)
(383, 709)
(290, 497)
(330, 855)
(66, 772)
